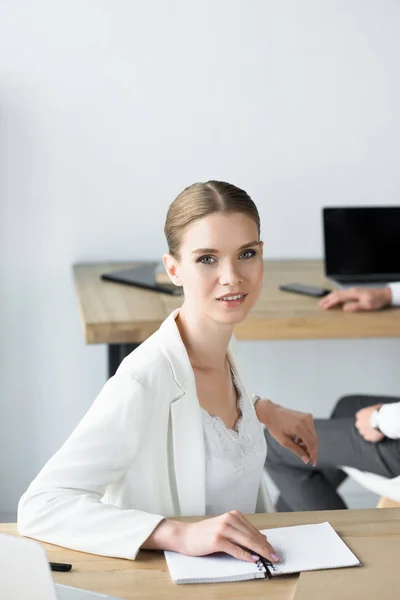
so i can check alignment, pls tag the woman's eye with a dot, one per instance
(247, 254)
(206, 260)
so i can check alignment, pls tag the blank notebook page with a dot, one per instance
(308, 548)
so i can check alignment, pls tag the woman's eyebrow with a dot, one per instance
(215, 251)
(250, 244)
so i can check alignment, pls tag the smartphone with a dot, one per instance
(306, 290)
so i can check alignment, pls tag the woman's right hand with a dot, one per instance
(231, 533)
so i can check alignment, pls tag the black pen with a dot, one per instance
(64, 567)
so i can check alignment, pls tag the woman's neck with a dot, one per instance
(206, 341)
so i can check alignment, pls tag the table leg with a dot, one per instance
(116, 354)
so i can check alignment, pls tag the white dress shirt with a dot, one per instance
(395, 289)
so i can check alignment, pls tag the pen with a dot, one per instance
(60, 567)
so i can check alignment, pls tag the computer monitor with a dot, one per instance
(362, 244)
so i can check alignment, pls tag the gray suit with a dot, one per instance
(303, 487)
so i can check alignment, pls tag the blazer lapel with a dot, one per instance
(186, 424)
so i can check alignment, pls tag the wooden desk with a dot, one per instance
(369, 533)
(123, 316)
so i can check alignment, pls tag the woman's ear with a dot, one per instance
(171, 266)
(262, 248)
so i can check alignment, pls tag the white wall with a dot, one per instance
(109, 108)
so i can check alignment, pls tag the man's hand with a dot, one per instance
(292, 429)
(363, 425)
(357, 299)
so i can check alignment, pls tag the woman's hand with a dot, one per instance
(292, 429)
(231, 533)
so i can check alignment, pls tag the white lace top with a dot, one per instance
(234, 459)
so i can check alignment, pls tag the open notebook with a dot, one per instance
(302, 548)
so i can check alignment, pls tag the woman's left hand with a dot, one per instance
(292, 429)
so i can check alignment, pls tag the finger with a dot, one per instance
(246, 528)
(235, 551)
(329, 299)
(302, 444)
(296, 449)
(329, 302)
(250, 542)
(238, 521)
(244, 524)
(308, 456)
(312, 453)
(333, 299)
(352, 307)
(339, 297)
(313, 445)
(309, 439)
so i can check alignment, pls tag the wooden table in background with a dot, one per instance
(123, 316)
(373, 535)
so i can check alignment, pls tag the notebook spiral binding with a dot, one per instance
(265, 565)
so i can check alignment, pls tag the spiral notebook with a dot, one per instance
(302, 548)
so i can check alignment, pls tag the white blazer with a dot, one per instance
(136, 457)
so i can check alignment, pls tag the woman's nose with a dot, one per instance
(229, 275)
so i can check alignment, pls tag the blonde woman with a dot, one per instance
(174, 432)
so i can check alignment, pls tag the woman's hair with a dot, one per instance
(202, 199)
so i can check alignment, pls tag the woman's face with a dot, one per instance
(220, 266)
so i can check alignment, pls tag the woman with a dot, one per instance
(174, 433)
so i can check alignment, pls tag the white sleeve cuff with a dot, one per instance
(389, 420)
(395, 289)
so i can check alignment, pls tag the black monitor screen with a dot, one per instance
(362, 241)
